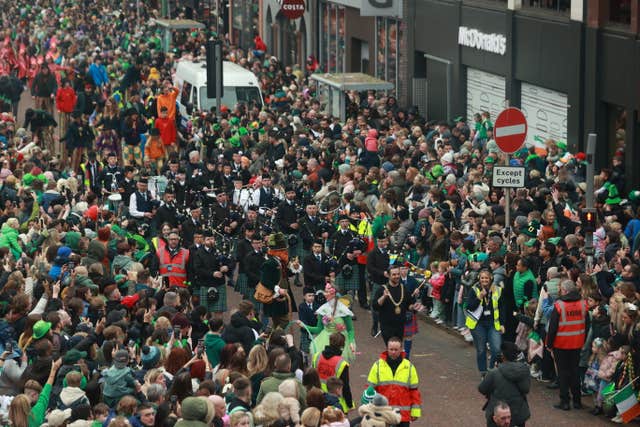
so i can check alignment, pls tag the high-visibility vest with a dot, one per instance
(401, 387)
(175, 268)
(327, 368)
(496, 291)
(158, 243)
(365, 233)
(572, 324)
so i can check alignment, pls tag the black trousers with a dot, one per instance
(362, 287)
(568, 373)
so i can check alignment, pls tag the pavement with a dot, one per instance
(449, 378)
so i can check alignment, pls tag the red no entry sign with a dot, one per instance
(510, 130)
(292, 9)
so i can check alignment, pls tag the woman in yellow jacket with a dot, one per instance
(485, 317)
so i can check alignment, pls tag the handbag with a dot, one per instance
(263, 294)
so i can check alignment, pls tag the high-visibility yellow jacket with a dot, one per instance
(401, 388)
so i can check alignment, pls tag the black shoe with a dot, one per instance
(577, 405)
(562, 405)
(553, 386)
(354, 317)
(374, 331)
(364, 306)
(596, 411)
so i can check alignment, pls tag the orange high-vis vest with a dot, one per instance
(175, 268)
(572, 324)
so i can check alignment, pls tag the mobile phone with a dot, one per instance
(200, 348)
(165, 281)
(176, 332)
(132, 343)
(71, 265)
(8, 347)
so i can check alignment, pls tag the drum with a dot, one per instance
(114, 202)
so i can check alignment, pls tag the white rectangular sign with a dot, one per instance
(546, 111)
(508, 176)
(485, 92)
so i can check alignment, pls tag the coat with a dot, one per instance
(9, 239)
(240, 330)
(510, 383)
(272, 383)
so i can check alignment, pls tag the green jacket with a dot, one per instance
(213, 345)
(9, 239)
(36, 416)
(272, 383)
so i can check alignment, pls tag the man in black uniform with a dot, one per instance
(315, 268)
(309, 227)
(287, 216)
(342, 237)
(243, 249)
(392, 302)
(377, 266)
(252, 267)
(210, 273)
(112, 176)
(167, 210)
(191, 224)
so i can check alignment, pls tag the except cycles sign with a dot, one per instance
(292, 9)
(508, 176)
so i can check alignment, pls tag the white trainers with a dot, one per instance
(617, 419)
(439, 321)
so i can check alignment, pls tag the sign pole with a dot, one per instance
(507, 208)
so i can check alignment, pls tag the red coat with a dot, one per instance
(66, 99)
(167, 128)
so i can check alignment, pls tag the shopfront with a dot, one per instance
(288, 39)
(496, 58)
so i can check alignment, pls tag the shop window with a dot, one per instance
(620, 11)
(388, 45)
(332, 51)
(556, 5)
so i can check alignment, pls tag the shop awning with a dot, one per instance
(352, 81)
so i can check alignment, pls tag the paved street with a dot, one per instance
(449, 379)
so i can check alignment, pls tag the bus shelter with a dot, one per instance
(333, 88)
(169, 25)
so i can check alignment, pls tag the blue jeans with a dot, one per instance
(485, 332)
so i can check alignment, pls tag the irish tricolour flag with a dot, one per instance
(626, 401)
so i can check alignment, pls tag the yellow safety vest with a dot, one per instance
(496, 291)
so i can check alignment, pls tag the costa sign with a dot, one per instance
(292, 9)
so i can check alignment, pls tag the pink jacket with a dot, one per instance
(436, 282)
(371, 141)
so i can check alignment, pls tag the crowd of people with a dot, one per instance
(125, 225)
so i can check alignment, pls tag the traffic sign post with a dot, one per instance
(510, 132)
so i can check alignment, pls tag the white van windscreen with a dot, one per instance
(231, 96)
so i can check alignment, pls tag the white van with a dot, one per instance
(240, 85)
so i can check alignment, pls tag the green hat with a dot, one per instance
(235, 141)
(40, 329)
(85, 281)
(458, 119)
(368, 395)
(216, 127)
(243, 131)
(72, 356)
(296, 174)
(435, 172)
(554, 240)
(234, 121)
(193, 409)
(531, 242)
(489, 159)
(634, 195)
(277, 241)
(531, 229)
(119, 278)
(72, 240)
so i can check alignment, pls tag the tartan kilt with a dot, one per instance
(411, 327)
(345, 285)
(301, 253)
(218, 306)
(241, 285)
(374, 289)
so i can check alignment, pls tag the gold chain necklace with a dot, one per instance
(398, 310)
